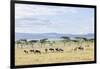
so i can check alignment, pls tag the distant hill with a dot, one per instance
(48, 35)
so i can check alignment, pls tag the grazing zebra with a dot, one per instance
(25, 51)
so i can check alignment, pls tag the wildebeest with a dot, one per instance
(37, 51)
(46, 50)
(25, 51)
(32, 51)
(78, 48)
(59, 49)
(51, 49)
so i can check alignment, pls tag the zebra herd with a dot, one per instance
(49, 50)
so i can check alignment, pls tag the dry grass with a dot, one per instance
(69, 55)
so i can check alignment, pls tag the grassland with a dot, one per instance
(68, 55)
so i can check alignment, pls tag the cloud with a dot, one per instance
(40, 18)
(29, 10)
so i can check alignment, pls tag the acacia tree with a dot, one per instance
(23, 42)
(18, 43)
(91, 40)
(81, 39)
(32, 42)
(65, 39)
(43, 41)
(75, 41)
(51, 43)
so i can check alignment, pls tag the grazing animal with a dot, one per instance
(37, 51)
(32, 51)
(46, 50)
(75, 49)
(51, 49)
(25, 51)
(78, 48)
(59, 50)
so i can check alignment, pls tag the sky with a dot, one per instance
(53, 19)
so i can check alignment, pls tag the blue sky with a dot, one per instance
(53, 19)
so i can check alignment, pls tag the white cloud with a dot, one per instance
(39, 19)
(22, 10)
